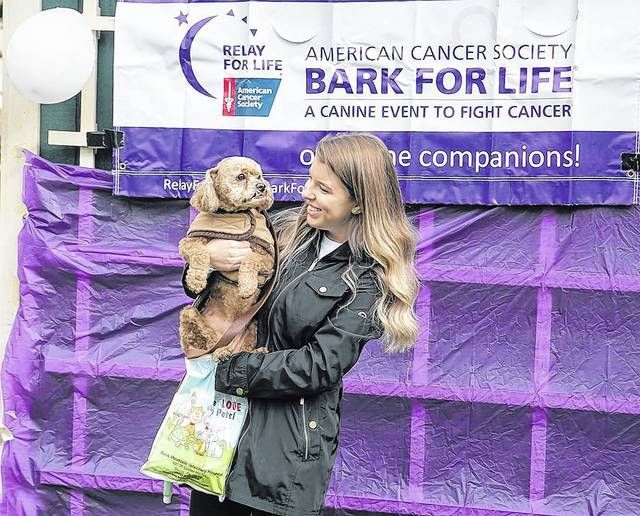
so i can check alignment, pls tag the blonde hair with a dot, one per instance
(381, 231)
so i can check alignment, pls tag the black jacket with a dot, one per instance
(288, 446)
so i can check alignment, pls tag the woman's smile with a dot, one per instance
(312, 210)
(329, 204)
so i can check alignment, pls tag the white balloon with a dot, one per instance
(51, 55)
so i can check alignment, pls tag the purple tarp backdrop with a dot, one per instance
(522, 394)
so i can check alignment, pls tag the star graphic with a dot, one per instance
(182, 18)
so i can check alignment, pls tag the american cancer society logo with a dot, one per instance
(248, 96)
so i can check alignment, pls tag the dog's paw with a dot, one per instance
(222, 353)
(196, 280)
(260, 350)
(245, 292)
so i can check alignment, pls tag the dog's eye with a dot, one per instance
(241, 177)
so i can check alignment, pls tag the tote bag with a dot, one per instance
(197, 439)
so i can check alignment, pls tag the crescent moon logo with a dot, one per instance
(185, 55)
(185, 51)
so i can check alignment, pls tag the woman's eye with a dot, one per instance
(240, 177)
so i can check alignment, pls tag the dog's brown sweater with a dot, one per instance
(250, 225)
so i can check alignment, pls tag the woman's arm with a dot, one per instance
(317, 366)
(224, 255)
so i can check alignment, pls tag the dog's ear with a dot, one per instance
(205, 199)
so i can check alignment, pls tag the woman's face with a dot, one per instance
(328, 202)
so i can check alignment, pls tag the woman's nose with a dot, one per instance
(306, 192)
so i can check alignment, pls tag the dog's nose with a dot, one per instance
(261, 187)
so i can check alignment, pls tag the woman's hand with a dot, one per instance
(227, 255)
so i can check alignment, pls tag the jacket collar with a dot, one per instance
(339, 254)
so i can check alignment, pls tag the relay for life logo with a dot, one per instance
(245, 93)
(249, 96)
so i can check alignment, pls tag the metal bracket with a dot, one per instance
(107, 139)
(630, 161)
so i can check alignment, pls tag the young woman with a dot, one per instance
(347, 276)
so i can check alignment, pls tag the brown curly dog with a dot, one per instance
(230, 201)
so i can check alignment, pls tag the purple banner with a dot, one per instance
(525, 168)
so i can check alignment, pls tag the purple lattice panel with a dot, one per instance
(108, 503)
(591, 466)
(388, 422)
(118, 220)
(482, 336)
(477, 455)
(115, 449)
(595, 350)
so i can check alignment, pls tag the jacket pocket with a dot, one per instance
(314, 299)
(310, 424)
(325, 288)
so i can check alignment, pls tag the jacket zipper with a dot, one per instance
(304, 428)
(304, 416)
(313, 264)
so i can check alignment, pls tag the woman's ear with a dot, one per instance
(205, 198)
